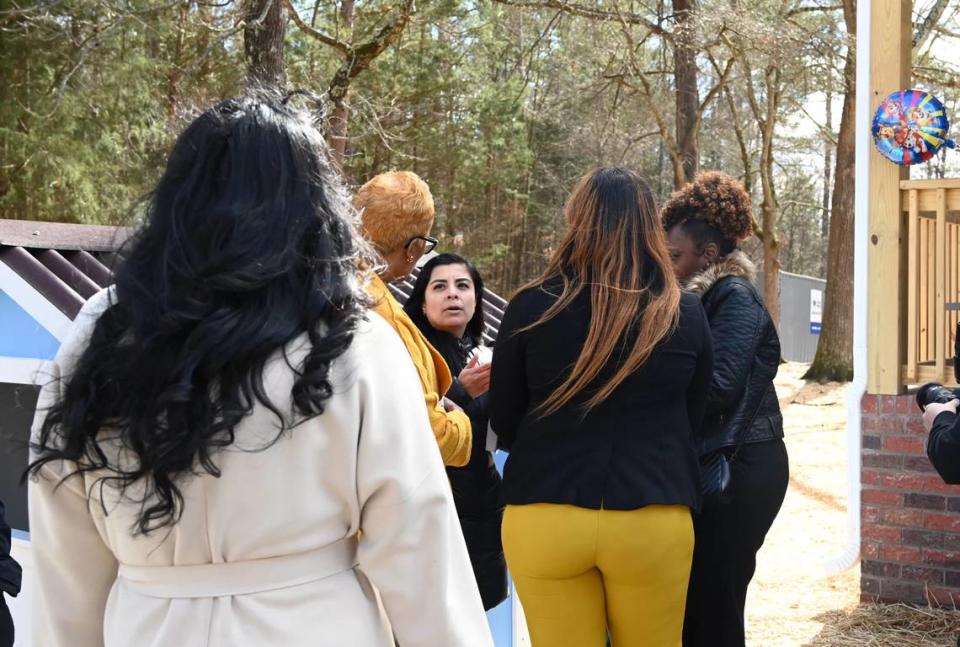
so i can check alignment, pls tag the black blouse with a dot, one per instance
(636, 448)
(456, 353)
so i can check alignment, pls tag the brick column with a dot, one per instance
(910, 519)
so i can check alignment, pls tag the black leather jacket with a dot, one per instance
(742, 404)
(943, 447)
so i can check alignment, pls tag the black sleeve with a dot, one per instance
(700, 384)
(734, 328)
(4, 533)
(508, 380)
(477, 410)
(458, 394)
(943, 446)
(10, 573)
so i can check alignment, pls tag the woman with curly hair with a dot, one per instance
(705, 221)
(227, 454)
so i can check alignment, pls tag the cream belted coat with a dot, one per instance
(270, 553)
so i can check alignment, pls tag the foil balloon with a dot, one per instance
(910, 127)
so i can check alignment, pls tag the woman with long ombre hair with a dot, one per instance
(599, 379)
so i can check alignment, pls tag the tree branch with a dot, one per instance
(318, 34)
(800, 10)
(668, 139)
(712, 94)
(946, 32)
(363, 55)
(738, 132)
(591, 13)
(751, 93)
(926, 28)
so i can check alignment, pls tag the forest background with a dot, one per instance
(499, 104)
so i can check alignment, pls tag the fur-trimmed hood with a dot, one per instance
(734, 264)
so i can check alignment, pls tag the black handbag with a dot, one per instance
(716, 467)
(715, 477)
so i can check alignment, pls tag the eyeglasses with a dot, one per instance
(429, 243)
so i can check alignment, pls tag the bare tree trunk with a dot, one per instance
(346, 13)
(925, 29)
(827, 172)
(771, 243)
(355, 59)
(770, 207)
(686, 94)
(173, 74)
(745, 158)
(265, 26)
(834, 358)
(340, 89)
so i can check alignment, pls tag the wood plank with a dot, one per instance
(928, 373)
(931, 290)
(943, 183)
(924, 291)
(928, 202)
(62, 236)
(913, 260)
(950, 288)
(890, 52)
(954, 247)
(940, 279)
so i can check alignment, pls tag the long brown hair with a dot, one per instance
(616, 247)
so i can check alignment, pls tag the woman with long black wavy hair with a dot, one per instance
(224, 422)
(446, 304)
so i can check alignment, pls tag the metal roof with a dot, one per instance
(66, 263)
(69, 263)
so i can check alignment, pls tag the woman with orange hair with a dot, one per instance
(397, 214)
(600, 374)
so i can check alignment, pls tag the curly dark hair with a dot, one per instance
(715, 200)
(249, 243)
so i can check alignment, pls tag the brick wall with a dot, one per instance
(910, 519)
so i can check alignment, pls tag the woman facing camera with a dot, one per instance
(397, 215)
(600, 374)
(705, 221)
(447, 306)
(226, 454)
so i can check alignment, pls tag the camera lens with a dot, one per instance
(934, 392)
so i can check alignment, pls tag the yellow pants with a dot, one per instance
(580, 572)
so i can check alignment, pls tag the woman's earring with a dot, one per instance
(409, 259)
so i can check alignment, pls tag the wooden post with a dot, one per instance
(940, 263)
(890, 50)
(913, 262)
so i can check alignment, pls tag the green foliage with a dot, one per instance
(94, 94)
(500, 108)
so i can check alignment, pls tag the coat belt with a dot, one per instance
(241, 577)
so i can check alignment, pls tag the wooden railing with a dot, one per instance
(931, 209)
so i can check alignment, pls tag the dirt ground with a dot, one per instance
(789, 596)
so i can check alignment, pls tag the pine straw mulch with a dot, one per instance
(889, 625)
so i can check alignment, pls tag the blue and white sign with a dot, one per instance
(816, 311)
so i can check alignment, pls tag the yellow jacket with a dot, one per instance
(451, 428)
